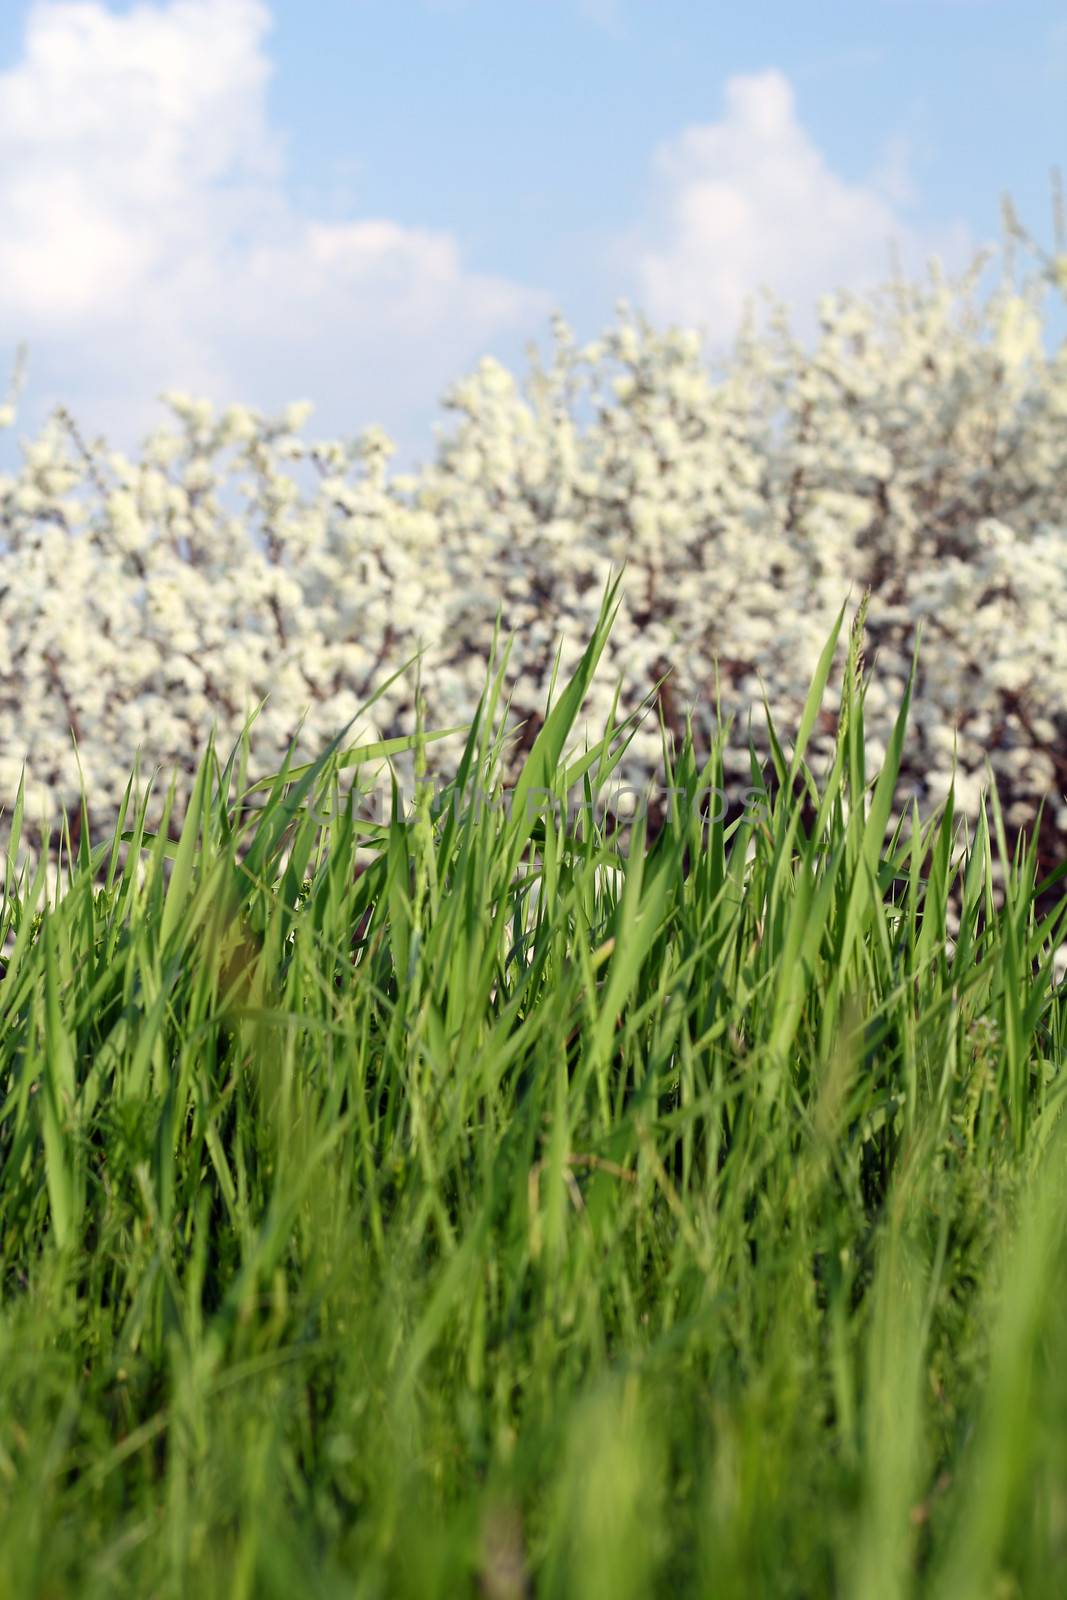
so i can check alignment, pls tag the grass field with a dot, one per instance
(533, 1211)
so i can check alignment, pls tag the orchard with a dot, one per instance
(919, 451)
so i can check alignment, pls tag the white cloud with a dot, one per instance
(603, 14)
(750, 201)
(146, 241)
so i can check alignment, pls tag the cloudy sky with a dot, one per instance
(352, 201)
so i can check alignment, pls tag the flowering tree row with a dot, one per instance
(919, 449)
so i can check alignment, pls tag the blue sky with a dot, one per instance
(352, 201)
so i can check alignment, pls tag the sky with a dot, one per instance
(353, 201)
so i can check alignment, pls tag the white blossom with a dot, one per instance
(903, 452)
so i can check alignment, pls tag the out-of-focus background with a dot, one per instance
(354, 201)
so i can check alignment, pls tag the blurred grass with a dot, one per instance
(536, 1210)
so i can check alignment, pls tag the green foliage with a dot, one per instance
(527, 1209)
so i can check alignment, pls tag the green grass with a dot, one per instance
(693, 1225)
